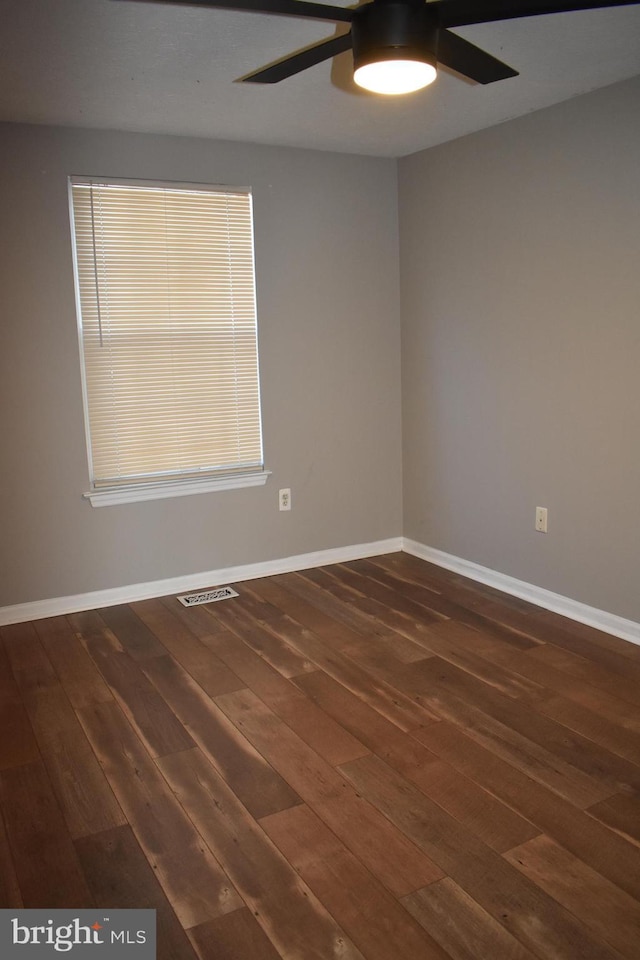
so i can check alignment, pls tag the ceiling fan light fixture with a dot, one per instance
(394, 77)
(394, 46)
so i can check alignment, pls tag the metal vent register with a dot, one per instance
(207, 596)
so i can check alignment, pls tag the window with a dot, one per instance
(168, 334)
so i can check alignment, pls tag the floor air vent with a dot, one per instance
(207, 596)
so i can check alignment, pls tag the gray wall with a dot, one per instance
(327, 285)
(519, 252)
(520, 278)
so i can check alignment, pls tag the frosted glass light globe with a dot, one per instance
(393, 77)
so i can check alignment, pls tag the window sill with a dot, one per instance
(162, 490)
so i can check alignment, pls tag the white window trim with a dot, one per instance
(162, 490)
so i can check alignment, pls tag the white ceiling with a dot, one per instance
(172, 69)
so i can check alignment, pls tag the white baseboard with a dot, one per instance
(600, 619)
(58, 606)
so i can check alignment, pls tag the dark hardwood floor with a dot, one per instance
(376, 760)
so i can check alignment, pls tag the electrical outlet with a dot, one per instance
(541, 519)
(284, 499)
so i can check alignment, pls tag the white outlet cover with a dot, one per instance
(284, 499)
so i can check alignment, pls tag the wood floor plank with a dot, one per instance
(387, 853)
(254, 605)
(521, 618)
(541, 624)
(31, 667)
(305, 585)
(492, 674)
(553, 680)
(588, 723)
(293, 919)
(305, 770)
(17, 743)
(293, 597)
(406, 566)
(10, 895)
(610, 770)
(236, 936)
(492, 821)
(394, 705)
(402, 624)
(418, 627)
(322, 578)
(329, 629)
(76, 670)
(494, 649)
(610, 913)
(513, 612)
(196, 619)
(374, 919)
(475, 867)
(257, 784)
(621, 813)
(476, 640)
(85, 797)
(133, 635)
(368, 580)
(599, 637)
(190, 876)
(312, 724)
(393, 859)
(496, 824)
(468, 593)
(270, 645)
(585, 837)
(413, 598)
(9, 692)
(488, 610)
(460, 925)
(360, 718)
(121, 878)
(146, 710)
(618, 684)
(494, 603)
(532, 758)
(200, 661)
(375, 657)
(588, 647)
(45, 860)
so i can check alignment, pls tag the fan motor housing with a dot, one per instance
(394, 30)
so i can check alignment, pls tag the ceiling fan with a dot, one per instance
(397, 44)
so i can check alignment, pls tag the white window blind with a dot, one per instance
(166, 295)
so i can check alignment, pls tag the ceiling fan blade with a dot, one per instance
(459, 13)
(290, 8)
(301, 61)
(471, 61)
